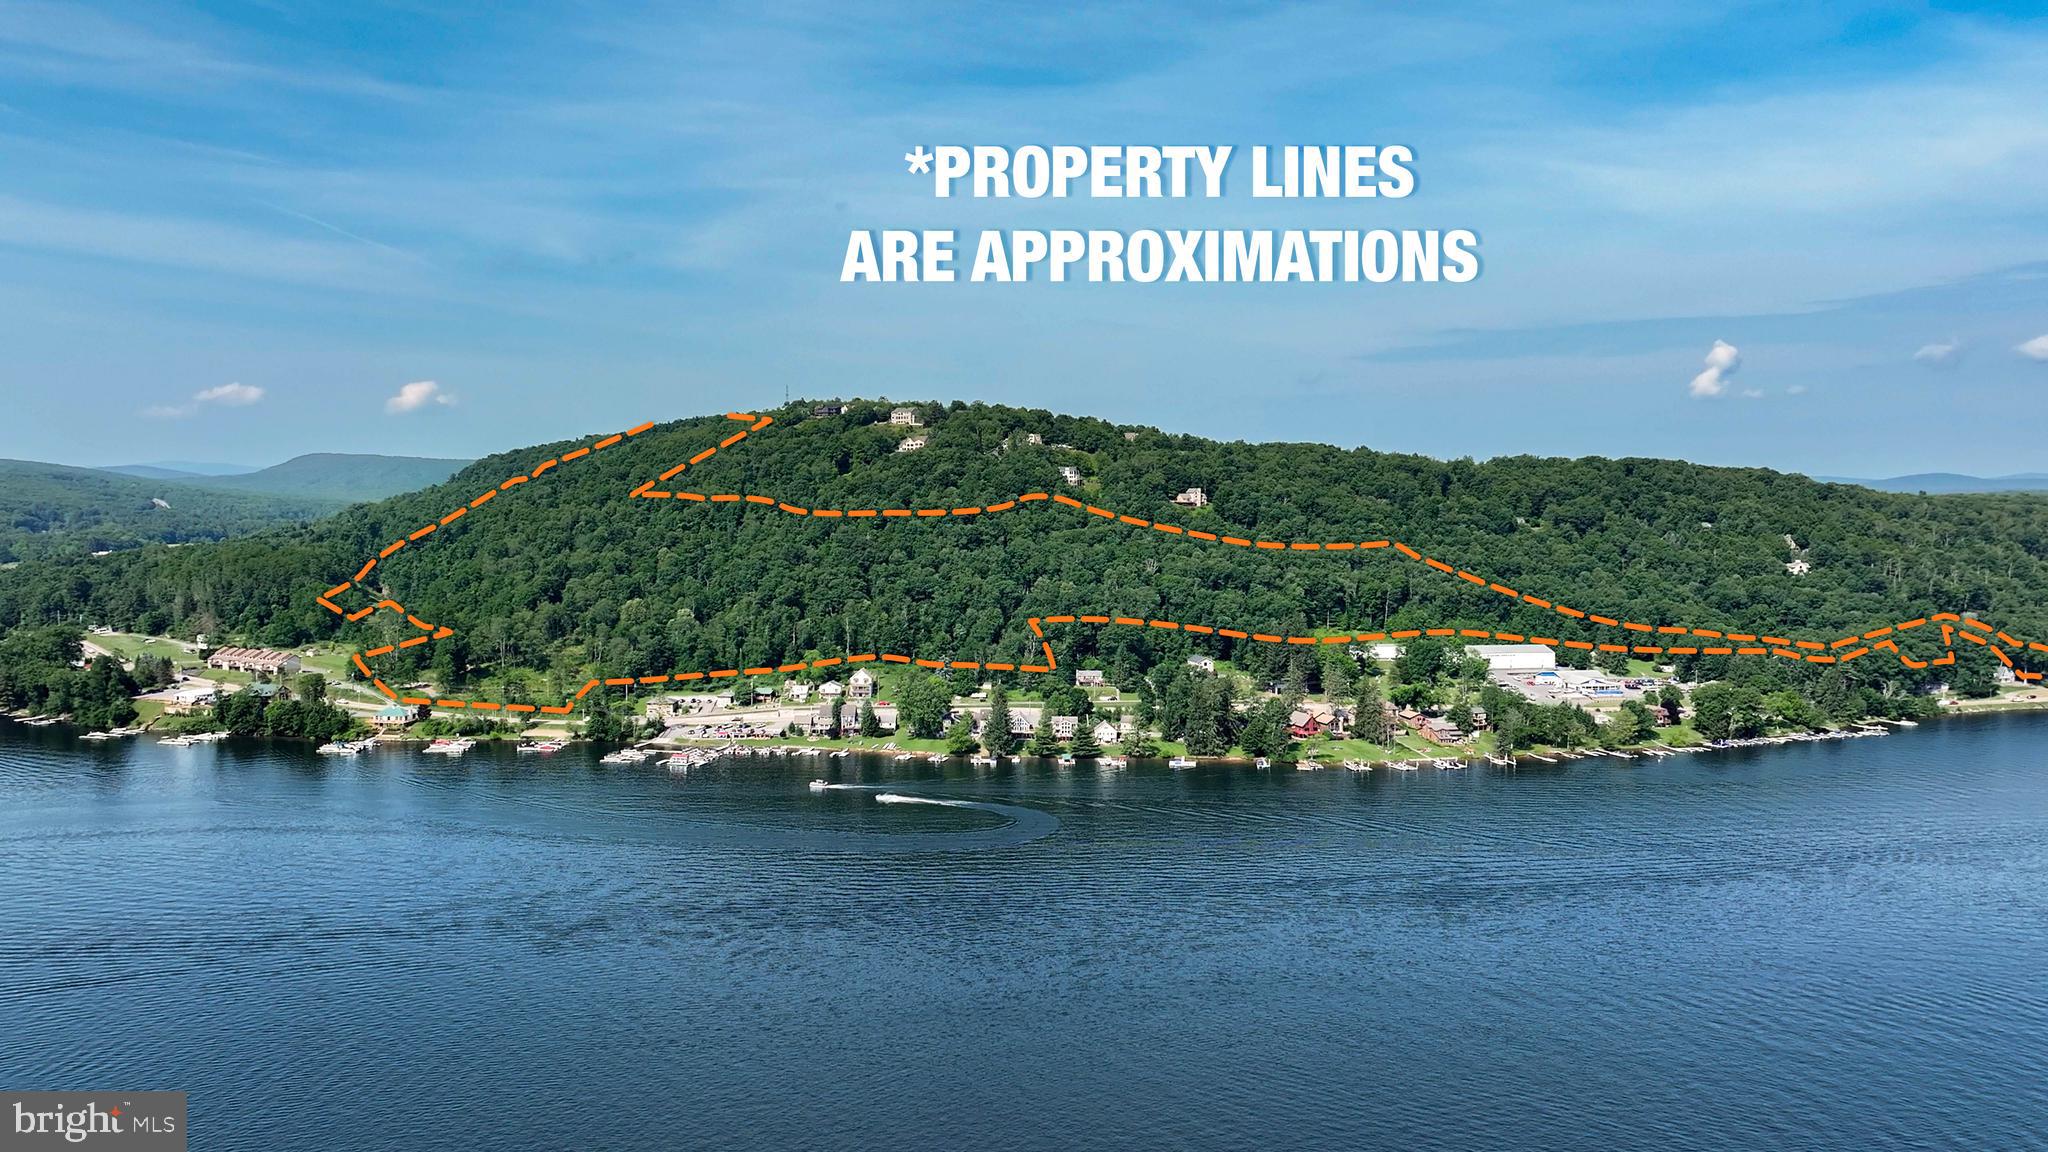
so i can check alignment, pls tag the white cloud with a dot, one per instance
(1795, 390)
(2035, 349)
(230, 395)
(417, 395)
(1722, 361)
(233, 395)
(1939, 355)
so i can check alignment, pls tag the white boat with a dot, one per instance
(1262, 762)
(447, 747)
(1106, 762)
(1066, 760)
(1407, 766)
(905, 756)
(338, 748)
(1179, 762)
(177, 741)
(984, 761)
(937, 757)
(1358, 765)
(96, 736)
(40, 721)
(819, 785)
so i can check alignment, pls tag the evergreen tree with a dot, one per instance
(1084, 746)
(1042, 741)
(869, 725)
(996, 736)
(960, 737)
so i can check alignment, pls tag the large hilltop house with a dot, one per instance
(906, 417)
(1192, 498)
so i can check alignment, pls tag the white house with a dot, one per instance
(860, 685)
(798, 691)
(1071, 475)
(1798, 567)
(1104, 732)
(906, 417)
(1203, 664)
(1514, 657)
(831, 688)
(1064, 727)
(1089, 678)
(1192, 498)
(910, 444)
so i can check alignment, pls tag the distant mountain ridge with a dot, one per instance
(178, 469)
(55, 510)
(1949, 482)
(344, 476)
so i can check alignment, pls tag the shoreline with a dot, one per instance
(1445, 762)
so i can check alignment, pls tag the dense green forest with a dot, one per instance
(51, 510)
(570, 576)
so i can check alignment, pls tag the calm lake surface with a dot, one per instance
(1836, 946)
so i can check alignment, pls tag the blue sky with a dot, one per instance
(237, 233)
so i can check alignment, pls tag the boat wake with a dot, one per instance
(900, 798)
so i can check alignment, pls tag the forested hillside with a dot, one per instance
(52, 510)
(571, 575)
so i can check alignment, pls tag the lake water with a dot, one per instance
(1835, 946)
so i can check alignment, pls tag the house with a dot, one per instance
(906, 417)
(1128, 436)
(1316, 718)
(860, 685)
(820, 721)
(910, 444)
(256, 661)
(1203, 664)
(394, 717)
(1064, 727)
(1089, 678)
(1023, 721)
(1192, 498)
(1798, 567)
(186, 701)
(1104, 732)
(1071, 475)
(1442, 731)
(1514, 657)
(828, 410)
(1033, 438)
(797, 691)
(832, 688)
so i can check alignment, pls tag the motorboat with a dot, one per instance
(1179, 762)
